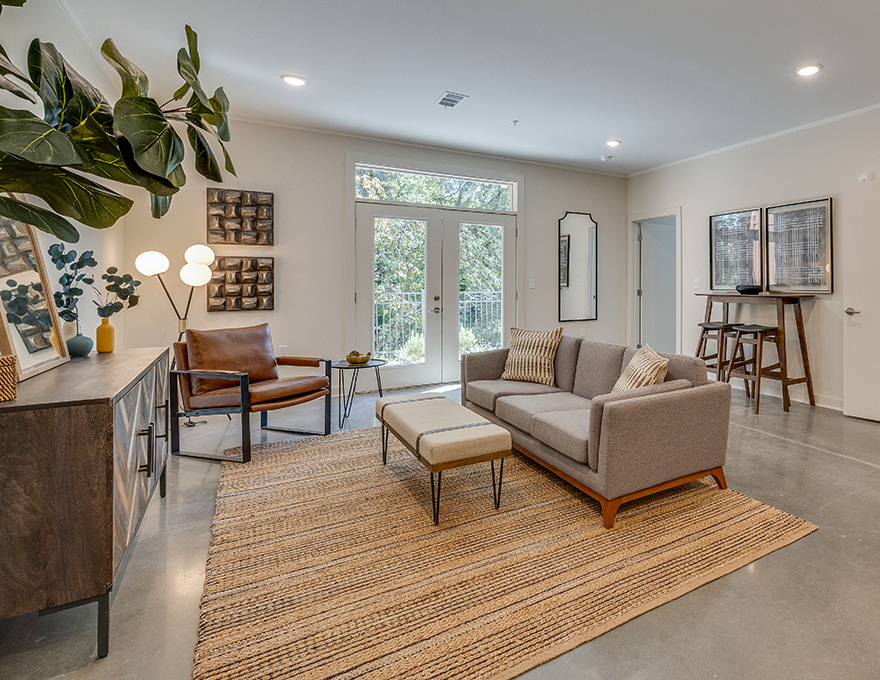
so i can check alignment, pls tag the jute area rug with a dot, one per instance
(325, 564)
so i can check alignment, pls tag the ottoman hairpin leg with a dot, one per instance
(435, 498)
(496, 494)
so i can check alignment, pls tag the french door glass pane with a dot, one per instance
(399, 290)
(480, 248)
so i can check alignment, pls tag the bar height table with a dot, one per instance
(779, 300)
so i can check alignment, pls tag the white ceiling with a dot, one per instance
(673, 78)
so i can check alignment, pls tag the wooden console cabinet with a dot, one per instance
(82, 448)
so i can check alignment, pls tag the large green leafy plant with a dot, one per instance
(82, 135)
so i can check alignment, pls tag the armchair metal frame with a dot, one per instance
(244, 409)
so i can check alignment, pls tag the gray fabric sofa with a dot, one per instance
(615, 447)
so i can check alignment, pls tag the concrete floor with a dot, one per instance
(807, 611)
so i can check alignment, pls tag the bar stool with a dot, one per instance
(755, 335)
(717, 331)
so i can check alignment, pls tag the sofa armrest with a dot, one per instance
(597, 406)
(648, 440)
(482, 366)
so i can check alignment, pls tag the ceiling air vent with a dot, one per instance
(450, 99)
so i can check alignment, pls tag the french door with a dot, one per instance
(432, 284)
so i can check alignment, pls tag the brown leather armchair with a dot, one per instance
(235, 370)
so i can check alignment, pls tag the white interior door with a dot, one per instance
(432, 283)
(861, 281)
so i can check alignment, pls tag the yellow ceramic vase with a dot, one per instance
(105, 336)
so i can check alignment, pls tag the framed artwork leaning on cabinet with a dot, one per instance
(29, 323)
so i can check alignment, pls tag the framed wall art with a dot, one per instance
(238, 217)
(241, 284)
(29, 323)
(799, 247)
(735, 252)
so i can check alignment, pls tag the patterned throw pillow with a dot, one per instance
(645, 368)
(531, 356)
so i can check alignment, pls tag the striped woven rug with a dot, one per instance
(325, 564)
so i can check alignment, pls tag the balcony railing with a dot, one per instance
(399, 324)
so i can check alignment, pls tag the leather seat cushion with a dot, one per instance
(262, 392)
(230, 349)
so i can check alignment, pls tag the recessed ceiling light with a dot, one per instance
(296, 81)
(612, 143)
(808, 70)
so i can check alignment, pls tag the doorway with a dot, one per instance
(432, 284)
(656, 289)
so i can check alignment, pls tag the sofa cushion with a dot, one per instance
(531, 356)
(518, 410)
(598, 368)
(681, 367)
(566, 362)
(645, 368)
(485, 392)
(565, 431)
(230, 349)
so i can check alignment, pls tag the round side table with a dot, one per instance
(346, 396)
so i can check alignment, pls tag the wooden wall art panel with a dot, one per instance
(240, 284)
(241, 217)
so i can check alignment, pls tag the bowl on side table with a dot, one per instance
(749, 289)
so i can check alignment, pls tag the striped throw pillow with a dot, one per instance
(645, 368)
(531, 356)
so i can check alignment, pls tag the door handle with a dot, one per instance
(849, 311)
(148, 466)
(436, 310)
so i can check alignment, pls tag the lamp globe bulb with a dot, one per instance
(195, 274)
(199, 254)
(151, 263)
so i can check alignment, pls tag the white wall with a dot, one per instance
(310, 175)
(824, 160)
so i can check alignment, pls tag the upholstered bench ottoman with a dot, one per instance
(443, 435)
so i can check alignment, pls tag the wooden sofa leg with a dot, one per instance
(718, 476)
(609, 511)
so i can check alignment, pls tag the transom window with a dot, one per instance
(376, 183)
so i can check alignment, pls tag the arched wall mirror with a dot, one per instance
(577, 267)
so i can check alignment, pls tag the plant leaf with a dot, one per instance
(206, 163)
(68, 98)
(159, 205)
(192, 42)
(190, 74)
(152, 183)
(7, 68)
(43, 220)
(134, 81)
(177, 176)
(220, 104)
(100, 150)
(17, 90)
(156, 147)
(66, 192)
(24, 135)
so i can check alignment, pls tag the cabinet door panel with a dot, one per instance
(131, 488)
(160, 414)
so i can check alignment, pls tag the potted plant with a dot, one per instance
(74, 276)
(66, 157)
(120, 292)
